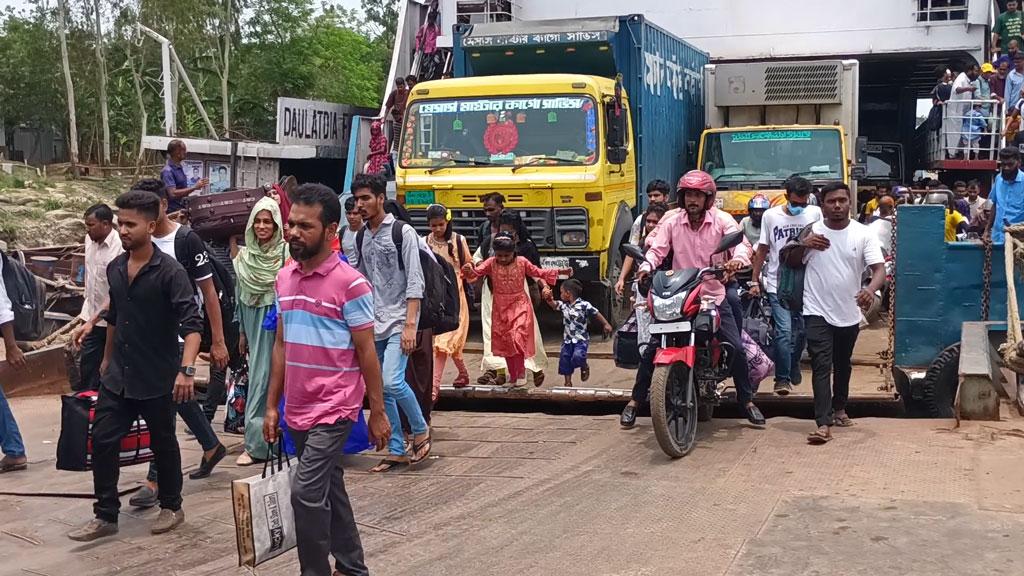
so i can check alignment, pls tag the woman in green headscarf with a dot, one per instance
(256, 266)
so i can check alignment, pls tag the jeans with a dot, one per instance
(790, 339)
(91, 357)
(114, 417)
(324, 524)
(729, 332)
(10, 437)
(831, 348)
(573, 356)
(397, 393)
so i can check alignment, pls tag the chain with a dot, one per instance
(986, 277)
(888, 355)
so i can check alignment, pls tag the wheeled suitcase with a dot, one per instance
(224, 214)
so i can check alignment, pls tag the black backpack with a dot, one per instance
(439, 307)
(27, 294)
(224, 284)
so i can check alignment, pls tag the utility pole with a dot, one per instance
(102, 70)
(73, 123)
(226, 36)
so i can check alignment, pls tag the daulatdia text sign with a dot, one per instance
(313, 123)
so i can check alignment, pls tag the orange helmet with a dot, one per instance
(698, 180)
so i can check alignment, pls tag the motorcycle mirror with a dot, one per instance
(633, 251)
(729, 241)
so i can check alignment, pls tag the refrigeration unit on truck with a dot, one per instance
(767, 121)
(568, 119)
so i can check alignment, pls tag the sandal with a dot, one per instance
(843, 421)
(818, 438)
(387, 465)
(585, 373)
(462, 381)
(417, 447)
(538, 378)
(488, 378)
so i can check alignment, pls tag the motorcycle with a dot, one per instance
(691, 361)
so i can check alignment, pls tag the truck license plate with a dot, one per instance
(419, 197)
(555, 262)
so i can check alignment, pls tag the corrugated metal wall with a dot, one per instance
(663, 76)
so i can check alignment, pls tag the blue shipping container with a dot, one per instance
(662, 75)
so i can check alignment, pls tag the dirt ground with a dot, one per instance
(575, 495)
(37, 211)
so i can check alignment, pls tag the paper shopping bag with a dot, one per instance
(264, 522)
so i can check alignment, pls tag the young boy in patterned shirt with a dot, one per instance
(576, 313)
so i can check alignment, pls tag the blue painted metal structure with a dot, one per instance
(939, 285)
(661, 74)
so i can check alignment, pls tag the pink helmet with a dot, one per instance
(698, 180)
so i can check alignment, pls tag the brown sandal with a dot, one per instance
(843, 421)
(387, 465)
(538, 378)
(818, 438)
(488, 378)
(417, 447)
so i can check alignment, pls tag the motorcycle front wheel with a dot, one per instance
(674, 409)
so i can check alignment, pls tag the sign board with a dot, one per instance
(535, 39)
(314, 123)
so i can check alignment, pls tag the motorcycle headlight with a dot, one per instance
(669, 308)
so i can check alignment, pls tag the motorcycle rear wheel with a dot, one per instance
(674, 409)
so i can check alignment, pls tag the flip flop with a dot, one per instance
(488, 378)
(13, 467)
(843, 421)
(416, 447)
(585, 373)
(818, 438)
(538, 378)
(386, 465)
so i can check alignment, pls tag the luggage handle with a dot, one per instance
(282, 458)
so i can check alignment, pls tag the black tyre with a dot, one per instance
(938, 389)
(705, 412)
(612, 306)
(674, 409)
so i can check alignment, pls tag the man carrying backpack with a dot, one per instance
(398, 291)
(10, 437)
(189, 250)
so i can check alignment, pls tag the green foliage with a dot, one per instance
(52, 204)
(296, 48)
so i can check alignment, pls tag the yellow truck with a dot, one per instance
(767, 121)
(569, 152)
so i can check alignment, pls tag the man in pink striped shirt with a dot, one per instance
(692, 235)
(324, 360)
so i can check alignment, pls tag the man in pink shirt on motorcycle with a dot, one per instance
(691, 236)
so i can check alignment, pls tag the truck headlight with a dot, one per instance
(574, 238)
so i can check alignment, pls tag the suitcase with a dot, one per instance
(224, 214)
(74, 447)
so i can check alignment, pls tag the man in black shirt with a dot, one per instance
(151, 304)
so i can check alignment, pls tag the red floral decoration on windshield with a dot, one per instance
(502, 136)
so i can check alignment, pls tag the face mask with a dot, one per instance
(796, 210)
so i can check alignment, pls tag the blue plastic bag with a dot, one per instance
(358, 439)
(270, 319)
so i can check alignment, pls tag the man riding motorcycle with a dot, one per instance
(691, 236)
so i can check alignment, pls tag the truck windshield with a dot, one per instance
(501, 130)
(885, 161)
(772, 155)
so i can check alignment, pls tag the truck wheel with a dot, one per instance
(614, 307)
(940, 383)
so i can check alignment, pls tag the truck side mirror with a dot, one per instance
(615, 125)
(617, 154)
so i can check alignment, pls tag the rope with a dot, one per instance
(1012, 352)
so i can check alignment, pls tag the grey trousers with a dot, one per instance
(324, 523)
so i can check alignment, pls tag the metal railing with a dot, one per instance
(970, 130)
(941, 10)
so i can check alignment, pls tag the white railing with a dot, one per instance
(941, 10)
(970, 130)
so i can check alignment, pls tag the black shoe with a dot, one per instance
(206, 466)
(144, 498)
(783, 387)
(755, 416)
(797, 378)
(628, 417)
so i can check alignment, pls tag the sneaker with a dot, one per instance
(783, 387)
(167, 520)
(145, 498)
(96, 528)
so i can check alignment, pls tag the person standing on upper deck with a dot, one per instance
(1007, 195)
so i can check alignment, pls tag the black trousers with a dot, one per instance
(216, 392)
(831, 348)
(732, 320)
(114, 417)
(91, 357)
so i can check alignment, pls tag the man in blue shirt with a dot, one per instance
(173, 176)
(1007, 194)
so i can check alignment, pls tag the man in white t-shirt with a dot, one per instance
(956, 109)
(778, 226)
(836, 254)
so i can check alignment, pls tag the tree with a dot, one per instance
(102, 74)
(72, 123)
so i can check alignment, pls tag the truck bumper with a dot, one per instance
(586, 267)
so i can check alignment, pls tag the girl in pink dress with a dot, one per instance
(512, 313)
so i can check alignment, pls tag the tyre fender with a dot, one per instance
(940, 383)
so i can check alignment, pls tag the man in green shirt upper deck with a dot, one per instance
(1008, 26)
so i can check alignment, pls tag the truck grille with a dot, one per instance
(795, 83)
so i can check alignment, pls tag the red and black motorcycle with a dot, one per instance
(691, 360)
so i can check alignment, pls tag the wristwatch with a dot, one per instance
(188, 370)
